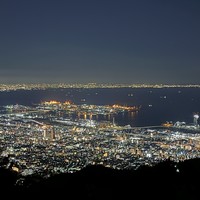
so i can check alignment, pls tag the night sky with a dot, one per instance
(103, 41)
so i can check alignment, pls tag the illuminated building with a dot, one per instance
(48, 132)
(196, 117)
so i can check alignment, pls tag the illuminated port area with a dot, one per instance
(55, 137)
(69, 107)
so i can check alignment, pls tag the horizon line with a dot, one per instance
(94, 83)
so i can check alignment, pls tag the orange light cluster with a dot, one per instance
(122, 107)
(167, 124)
(51, 102)
(67, 103)
(115, 106)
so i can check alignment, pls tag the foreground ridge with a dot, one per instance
(166, 179)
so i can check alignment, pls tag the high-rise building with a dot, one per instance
(53, 136)
(196, 117)
(49, 132)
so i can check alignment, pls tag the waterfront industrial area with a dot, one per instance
(57, 137)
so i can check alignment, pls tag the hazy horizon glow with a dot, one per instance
(100, 41)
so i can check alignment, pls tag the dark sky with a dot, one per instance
(103, 41)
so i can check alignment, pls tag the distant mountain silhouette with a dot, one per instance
(166, 180)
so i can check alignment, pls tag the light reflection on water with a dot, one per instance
(173, 106)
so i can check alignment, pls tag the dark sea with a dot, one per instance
(157, 105)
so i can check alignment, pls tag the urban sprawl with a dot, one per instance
(56, 137)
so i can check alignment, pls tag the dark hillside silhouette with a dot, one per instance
(166, 180)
